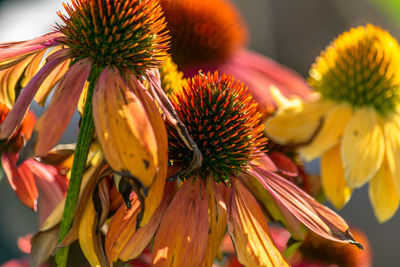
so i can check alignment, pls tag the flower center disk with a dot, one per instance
(126, 34)
(223, 120)
(360, 68)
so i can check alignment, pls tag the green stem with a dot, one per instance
(81, 153)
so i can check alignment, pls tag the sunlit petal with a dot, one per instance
(363, 147)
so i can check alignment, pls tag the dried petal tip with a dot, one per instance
(222, 118)
(126, 34)
(360, 68)
(204, 31)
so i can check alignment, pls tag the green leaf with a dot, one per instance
(391, 8)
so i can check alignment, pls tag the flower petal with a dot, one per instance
(318, 218)
(297, 123)
(249, 230)
(363, 147)
(383, 194)
(52, 124)
(142, 236)
(17, 113)
(391, 130)
(182, 237)
(124, 129)
(330, 134)
(217, 219)
(21, 179)
(332, 178)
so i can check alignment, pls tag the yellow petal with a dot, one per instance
(217, 220)
(330, 134)
(249, 230)
(124, 130)
(383, 194)
(363, 147)
(332, 176)
(297, 123)
(182, 237)
(392, 141)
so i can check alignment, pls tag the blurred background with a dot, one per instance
(291, 32)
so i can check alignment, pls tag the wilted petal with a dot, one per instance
(17, 113)
(312, 214)
(89, 234)
(383, 194)
(154, 195)
(363, 147)
(43, 245)
(217, 213)
(182, 237)
(124, 129)
(142, 236)
(392, 142)
(275, 209)
(249, 230)
(330, 134)
(332, 178)
(21, 179)
(297, 123)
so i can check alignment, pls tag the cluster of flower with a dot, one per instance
(186, 136)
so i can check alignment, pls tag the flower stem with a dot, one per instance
(81, 153)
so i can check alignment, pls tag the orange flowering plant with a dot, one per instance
(165, 166)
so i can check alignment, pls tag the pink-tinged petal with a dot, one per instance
(285, 164)
(24, 243)
(52, 124)
(52, 187)
(17, 113)
(266, 162)
(28, 47)
(318, 218)
(21, 179)
(259, 73)
(182, 237)
(249, 230)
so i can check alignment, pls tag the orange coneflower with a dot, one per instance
(210, 35)
(193, 216)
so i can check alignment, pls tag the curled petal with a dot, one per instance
(249, 230)
(182, 237)
(363, 147)
(52, 124)
(297, 123)
(17, 113)
(124, 129)
(318, 218)
(330, 134)
(142, 236)
(21, 179)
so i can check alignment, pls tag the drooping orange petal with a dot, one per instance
(182, 237)
(217, 219)
(318, 218)
(154, 195)
(249, 230)
(17, 113)
(52, 124)
(141, 238)
(21, 179)
(124, 129)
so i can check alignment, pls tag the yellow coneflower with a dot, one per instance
(352, 120)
